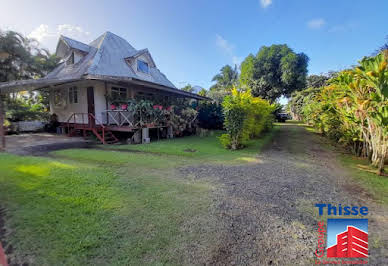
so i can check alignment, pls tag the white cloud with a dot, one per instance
(40, 33)
(228, 49)
(265, 3)
(224, 44)
(316, 23)
(49, 38)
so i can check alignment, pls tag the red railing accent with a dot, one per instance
(93, 125)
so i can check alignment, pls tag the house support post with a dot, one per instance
(2, 119)
(145, 132)
(170, 133)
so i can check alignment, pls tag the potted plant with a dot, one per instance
(113, 102)
(113, 106)
(124, 106)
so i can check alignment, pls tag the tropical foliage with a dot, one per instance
(23, 58)
(178, 113)
(226, 79)
(245, 118)
(352, 109)
(210, 115)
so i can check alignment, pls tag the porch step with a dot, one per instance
(109, 138)
(101, 132)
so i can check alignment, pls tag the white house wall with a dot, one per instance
(66, 109)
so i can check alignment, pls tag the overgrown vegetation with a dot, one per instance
(23, 58)
(210, 115)
(246, 117)
(275, 71)
(26, 108)
(352, 109)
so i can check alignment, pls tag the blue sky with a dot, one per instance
(337, 226)
(191, 40)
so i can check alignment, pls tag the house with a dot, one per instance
(90, 77)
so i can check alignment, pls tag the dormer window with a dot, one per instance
(142, 66)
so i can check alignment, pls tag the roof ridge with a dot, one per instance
(63, 36)
(97, 56)
(102, 40)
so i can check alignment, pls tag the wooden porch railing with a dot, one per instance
(119, 118)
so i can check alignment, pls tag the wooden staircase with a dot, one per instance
(74, 128)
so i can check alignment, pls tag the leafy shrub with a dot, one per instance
(20, 109)
(210, 115)
(245, 118)
(225, 140)
(183, 119)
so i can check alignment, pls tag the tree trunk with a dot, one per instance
(380, 170)
(2, 129)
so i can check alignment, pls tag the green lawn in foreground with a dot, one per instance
(102, 207)
(202, 148)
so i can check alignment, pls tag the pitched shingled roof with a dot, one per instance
(105, 58)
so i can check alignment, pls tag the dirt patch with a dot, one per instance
(42, 143)
(258, 206)
(190, 150)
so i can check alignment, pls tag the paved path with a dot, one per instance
(265, 210)
(42, 143)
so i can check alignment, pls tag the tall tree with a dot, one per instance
(275, 71)
(226, 79)
(317, 81)
(22, 58)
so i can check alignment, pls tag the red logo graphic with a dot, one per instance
(353, 243)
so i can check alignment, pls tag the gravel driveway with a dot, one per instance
(265, 210)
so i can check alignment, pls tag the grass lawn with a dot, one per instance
(94, 206)
(366, 176)
(201, 148)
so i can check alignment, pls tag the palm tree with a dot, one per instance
(226, 79)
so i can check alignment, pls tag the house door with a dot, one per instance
(90, 96)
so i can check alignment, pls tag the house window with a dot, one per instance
(119, 93)
(142, 66)
(145, 96)
(73, 95)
